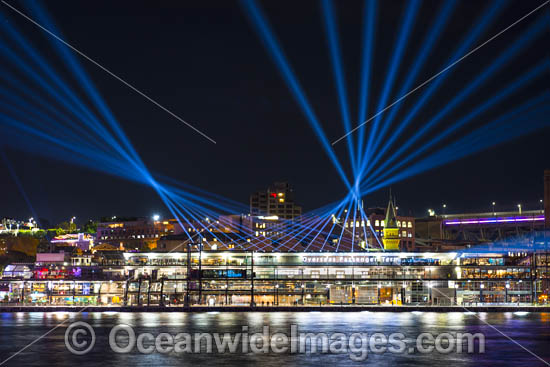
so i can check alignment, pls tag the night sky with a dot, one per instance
(203, 60)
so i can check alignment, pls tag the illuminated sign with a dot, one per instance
(494, 220)
(235, 274)
(368, 260)
(352, 259)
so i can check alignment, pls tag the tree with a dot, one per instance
(89, 227)
(67, 227)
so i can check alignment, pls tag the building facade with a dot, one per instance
(228, 278)
(133, 233)
(277, 200)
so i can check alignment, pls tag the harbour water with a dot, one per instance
(511, 339)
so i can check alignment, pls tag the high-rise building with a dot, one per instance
(277, 200)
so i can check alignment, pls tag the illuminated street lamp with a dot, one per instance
(494, 213)
(519, 208)
(156, 217)
(541, 206)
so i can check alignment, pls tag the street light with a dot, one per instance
(541, 206)
(156, 217)
(444, 208)
(519, 208)
(494, 213)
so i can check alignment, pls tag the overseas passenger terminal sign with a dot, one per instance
(367, 260)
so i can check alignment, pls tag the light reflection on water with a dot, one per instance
(531, 330)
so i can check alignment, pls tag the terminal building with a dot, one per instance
(266, 279)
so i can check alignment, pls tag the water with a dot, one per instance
(531, 330)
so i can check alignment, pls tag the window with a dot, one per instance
(399, 223)
(377, 223)
(410, 225)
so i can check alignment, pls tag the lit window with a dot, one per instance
(281, 194)
(362, 223)
(399, 223)
(281, 200)
(346, 224)
(410, 234)
(404, 233)
(377, 223)
(410, 225)
(357, 224)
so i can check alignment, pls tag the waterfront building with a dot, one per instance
(302, 278)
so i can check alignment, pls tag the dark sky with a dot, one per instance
(203, 60)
